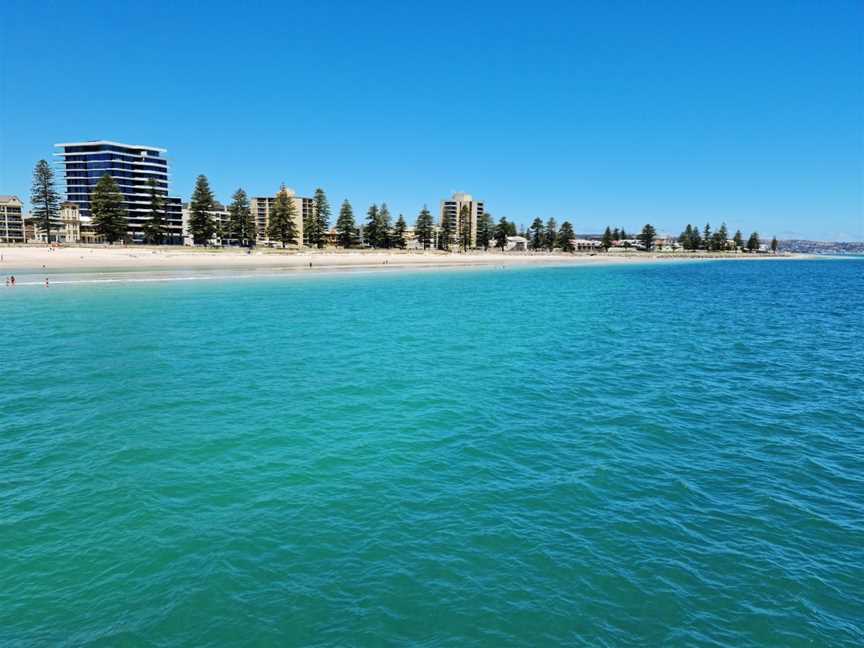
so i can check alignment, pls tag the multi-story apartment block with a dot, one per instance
(451, 211)
(11, 220)
(131, 167)
(261, 206)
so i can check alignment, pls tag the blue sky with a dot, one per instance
(598, 113)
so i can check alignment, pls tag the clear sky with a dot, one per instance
(600, 113)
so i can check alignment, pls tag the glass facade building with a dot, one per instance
(131, 167)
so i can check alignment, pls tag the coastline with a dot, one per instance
(158, 263)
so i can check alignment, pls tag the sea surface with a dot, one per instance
(651, 455)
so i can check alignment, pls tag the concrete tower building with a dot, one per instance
(451, 211)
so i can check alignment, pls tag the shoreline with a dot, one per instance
(117, 264)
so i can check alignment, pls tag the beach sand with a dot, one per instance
(159, 260)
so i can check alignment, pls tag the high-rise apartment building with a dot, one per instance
(11, 220)
(131, 167)
(451, 211)
(261, 206)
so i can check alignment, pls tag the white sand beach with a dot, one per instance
(142, 258)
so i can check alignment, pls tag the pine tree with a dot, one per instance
(241, 224)
(708, 238)
(502, 230)
(44, 197)
(485, 230)
(283, 219)
(738, 240)
(424, 229)
(566, 236)
(321, 217)
(109, 213)
(551, 234)
(753, 242)
(646, 238)
(154, 228)
(538, 238)
(623, 235)
(383, 227)
(201, 223)
(399, 233)
(465, 228)
(720, 238)
(686, 238)
(606, 241)
(445, 236)
(371, 235)
(696, 238)
(346, 228)
(775, 244)
(616, 235)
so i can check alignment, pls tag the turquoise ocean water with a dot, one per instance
(646, 455)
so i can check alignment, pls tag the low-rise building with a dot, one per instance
(586, 245)
(11, 220)
(514, 244)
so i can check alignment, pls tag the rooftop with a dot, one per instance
(112, 143)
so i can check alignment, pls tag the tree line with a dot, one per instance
(110, 220)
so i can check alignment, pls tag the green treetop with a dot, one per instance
(774, 245)
(155, 228)
(424, 228)
(537, 233)
(686, 238)
(384, 227)
(109, 214)
(44, 198)
(346, 228)
(720, 238)
(465, 228)
(283, 219)
(321, 218)
(551, 234)
(485, 230)
(371, 233)
(398, 237)
(753, 242)
(200, 219)
(502, 231)
(606, 241)
(646, 238)
(566, 236)
(241, 222)
(445, 236)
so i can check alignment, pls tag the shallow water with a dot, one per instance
(649, 455)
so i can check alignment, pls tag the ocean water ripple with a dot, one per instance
(614, 456)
